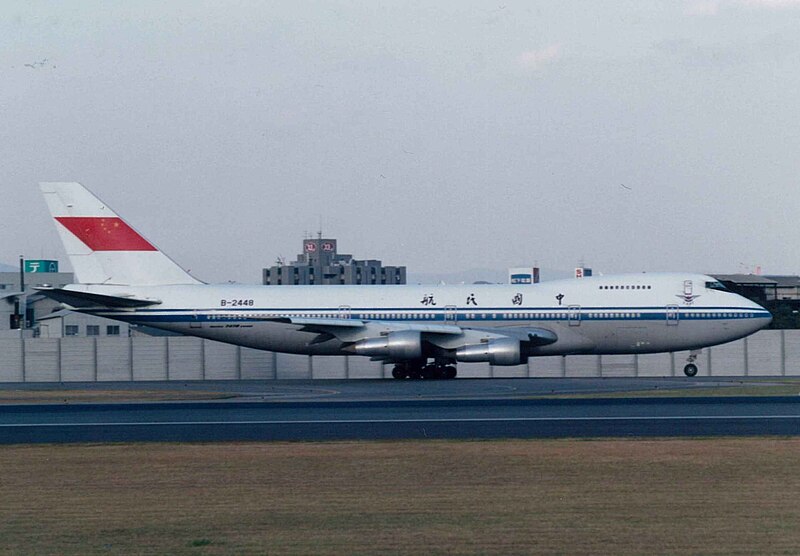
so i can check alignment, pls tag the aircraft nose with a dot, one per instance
(761, 316)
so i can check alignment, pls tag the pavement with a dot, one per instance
(388, 389)
(386, 409)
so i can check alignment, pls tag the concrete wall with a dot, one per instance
(767, 353)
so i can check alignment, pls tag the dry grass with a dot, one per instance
(103, 396)
(768, 386)
(728, 496)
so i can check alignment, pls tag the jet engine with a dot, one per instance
(399, 345)
(498, 351)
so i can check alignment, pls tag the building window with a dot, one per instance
(70, 330)
(92, 330)
(112, 330)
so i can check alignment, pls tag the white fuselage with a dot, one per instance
(630, 313)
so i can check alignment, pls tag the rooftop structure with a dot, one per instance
(321, 263)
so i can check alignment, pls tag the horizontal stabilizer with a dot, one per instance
(81, 300)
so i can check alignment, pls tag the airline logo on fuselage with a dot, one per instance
(687, 298)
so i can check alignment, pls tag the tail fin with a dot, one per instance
(103, 248)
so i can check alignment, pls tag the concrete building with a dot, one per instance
(752, 286)
(43, 316)
(787, 288)
(320, 263)
(780, 294)
(523, 275)
(14, 302)
(65, 324)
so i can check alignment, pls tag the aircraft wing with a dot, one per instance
(345, 329)
(442, 335)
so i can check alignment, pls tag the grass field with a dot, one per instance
(765, 387)
(61, 396)
(721, 496)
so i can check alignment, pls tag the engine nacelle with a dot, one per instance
(399, 345)
(500, 351)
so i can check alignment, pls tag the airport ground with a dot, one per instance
(355, 390)
(718, 496)
(515, 496)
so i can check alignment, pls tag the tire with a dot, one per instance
(450, 372)
(398, 373)
(690, 369)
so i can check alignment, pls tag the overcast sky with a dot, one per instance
(638, 136)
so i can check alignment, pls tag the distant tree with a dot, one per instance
(785, 314)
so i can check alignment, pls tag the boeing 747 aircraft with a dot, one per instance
(423, 330)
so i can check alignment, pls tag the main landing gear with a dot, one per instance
(422, 370)
(691, 369)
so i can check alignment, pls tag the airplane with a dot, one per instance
(423, 330)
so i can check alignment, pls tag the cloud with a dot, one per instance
(713, 7)
(702, 7)
(771, 4)
(536, 59)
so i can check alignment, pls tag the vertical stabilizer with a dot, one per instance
(102, 247)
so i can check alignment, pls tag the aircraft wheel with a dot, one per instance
(690, 369)
(450, 372)
(416, 374)
(398, 372)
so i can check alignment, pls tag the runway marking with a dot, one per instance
(386, 421)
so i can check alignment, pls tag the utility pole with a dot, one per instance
(23, 305)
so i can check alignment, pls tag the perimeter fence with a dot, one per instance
(766, 353)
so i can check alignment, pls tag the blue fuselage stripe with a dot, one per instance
(475, 315)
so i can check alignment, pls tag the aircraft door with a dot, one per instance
(673, 314)
(345, 311)
(687, 289)
(574, 315)
(450, 314)
(195, 322)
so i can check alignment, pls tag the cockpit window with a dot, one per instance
(716, 286)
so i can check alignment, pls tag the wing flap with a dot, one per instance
(532, 335)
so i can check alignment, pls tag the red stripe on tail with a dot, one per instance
(105, 234)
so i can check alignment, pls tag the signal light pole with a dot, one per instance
(22, 304)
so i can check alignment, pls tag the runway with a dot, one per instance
(324, 420)
(398, 390)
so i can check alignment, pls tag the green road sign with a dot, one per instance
(41, 266)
